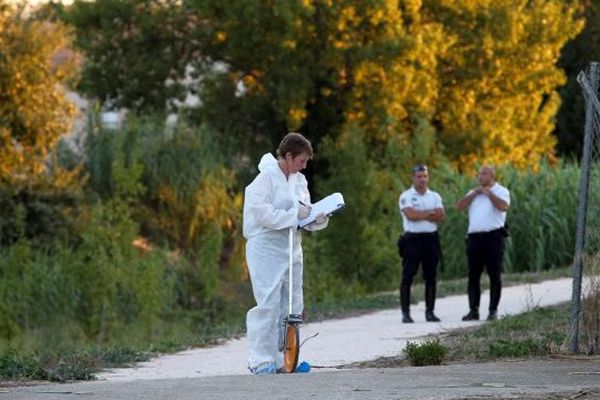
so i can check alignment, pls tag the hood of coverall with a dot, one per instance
(267, 162)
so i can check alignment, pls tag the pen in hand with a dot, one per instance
(304, 210)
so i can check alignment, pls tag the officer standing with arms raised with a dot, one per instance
(487, 206)
(421, 211)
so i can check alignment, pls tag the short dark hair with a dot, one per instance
(419, 168)
(296, 144)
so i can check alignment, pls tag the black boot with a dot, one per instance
(431, 317)
(430, 304)
(473, 315)
(405, 304)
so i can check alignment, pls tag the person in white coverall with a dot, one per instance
(274, 202)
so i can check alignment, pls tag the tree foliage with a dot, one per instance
(315, 66)
(34, 112)
(38, 197)
(498, 97)
(481, 74)
(136, 51)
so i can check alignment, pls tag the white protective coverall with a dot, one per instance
(270, 209)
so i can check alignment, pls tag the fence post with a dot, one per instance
(582, 211)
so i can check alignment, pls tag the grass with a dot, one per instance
(537, 333)
(80, 362)
(46, 367)
(495, 340)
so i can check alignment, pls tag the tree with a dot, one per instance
(482, 73)
(136, 51)
(318, 66)
(499, 79)
(35, 65)
(36, 193)
(479, 78)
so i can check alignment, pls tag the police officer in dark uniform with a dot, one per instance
(487, 231)
(421, 211)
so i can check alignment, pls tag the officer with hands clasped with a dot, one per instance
(487, 205)
(422, 210)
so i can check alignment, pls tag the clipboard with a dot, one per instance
(327, 205)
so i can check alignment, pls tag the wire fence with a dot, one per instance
(585, 305)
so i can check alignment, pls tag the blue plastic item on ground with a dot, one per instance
(303, 367)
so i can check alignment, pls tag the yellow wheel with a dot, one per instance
(292, 348)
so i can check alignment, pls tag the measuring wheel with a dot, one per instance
(291, 348)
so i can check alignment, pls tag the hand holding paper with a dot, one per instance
(326, 206)
(321, 219)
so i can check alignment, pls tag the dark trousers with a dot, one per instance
(420, 249)
(485, 250)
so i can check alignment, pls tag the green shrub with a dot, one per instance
(115, 356)
(68, 366)
(190, 202)
(13, 366)
(431, 352)
(92, 290)
(42, 215)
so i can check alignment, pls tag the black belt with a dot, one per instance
(498, 231)
(420, 234)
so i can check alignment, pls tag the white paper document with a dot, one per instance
(328, 205)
